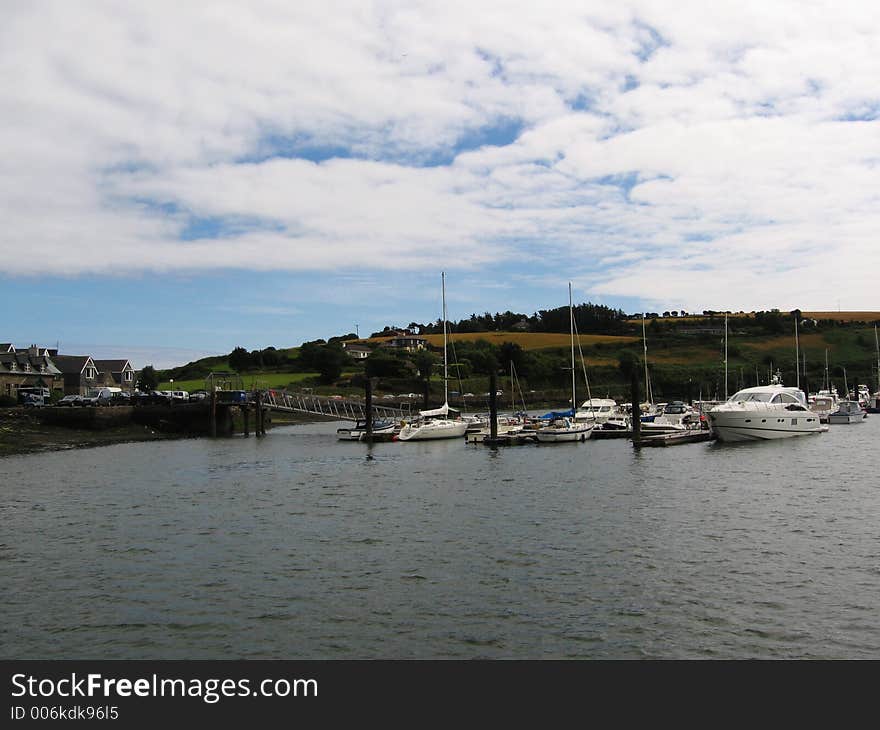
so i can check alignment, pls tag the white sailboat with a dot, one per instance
(564, 428)
(436, 423)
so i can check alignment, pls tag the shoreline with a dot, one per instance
(22, 433)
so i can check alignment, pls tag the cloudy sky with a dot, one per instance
(182, 178)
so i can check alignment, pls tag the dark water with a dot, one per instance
(298, 546)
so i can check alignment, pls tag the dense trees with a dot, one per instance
(148, 379)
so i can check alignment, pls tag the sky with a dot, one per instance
(179, 179)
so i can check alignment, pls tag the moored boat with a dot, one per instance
(437, 423)
(359, 431)
(848, 411)
(764, 412)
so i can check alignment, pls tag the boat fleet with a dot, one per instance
(764, 412)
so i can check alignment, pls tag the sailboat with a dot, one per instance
(563, 426)
(436, 423)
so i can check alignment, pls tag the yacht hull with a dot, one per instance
(734, 427)
(553, 436)
(433, 430)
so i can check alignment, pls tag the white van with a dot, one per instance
(99, 396)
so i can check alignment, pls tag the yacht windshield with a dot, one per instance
(744, 396)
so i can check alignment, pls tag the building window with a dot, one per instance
(127, 375)
(91, 373)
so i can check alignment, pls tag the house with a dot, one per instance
(356, 350)
(27, 368)
(80, 373)
(410, 344)
(116, 374)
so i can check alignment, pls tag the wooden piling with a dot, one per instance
(368, 410)
(636, 409)
(213, 416)
(246, 416)
(258, 414)
(493, 405)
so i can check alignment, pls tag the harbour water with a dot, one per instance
(297, 546)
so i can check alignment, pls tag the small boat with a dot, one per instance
(563, 429)
(359, 431)
(674, 417)
(823, 404)
(602, 412)
(563, 426)
(848, 411)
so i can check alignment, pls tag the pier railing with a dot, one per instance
(341, 408)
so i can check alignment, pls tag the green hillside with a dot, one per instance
(685, 359)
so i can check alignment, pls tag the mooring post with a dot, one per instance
(636, 408)
(493, 405)
(246, 415)
(368, 410)
(213, 415)
(258, 414)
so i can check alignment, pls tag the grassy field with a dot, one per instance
(526, 340)
(250, 381)
(845, 316)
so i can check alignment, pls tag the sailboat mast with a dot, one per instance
(445, 363)
(645, 348)
(797, 355)
(571, 324)
(725, 356)
(827, 382)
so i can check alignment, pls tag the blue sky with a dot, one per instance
(183, 180)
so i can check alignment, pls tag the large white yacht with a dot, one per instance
(765, 412)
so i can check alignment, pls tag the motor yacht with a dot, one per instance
(764, 412)
(601, 412)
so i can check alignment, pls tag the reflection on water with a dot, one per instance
(299, 546)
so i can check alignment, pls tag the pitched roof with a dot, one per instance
(71, 364)
(22, 362)
(6, 347)
(112, 366)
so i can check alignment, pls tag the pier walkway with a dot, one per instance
(341, 408)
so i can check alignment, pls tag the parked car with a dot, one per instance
(70, 400)
(121, 399)
(180, 395)
(198, 395)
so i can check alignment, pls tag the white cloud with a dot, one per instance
(664, 148)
